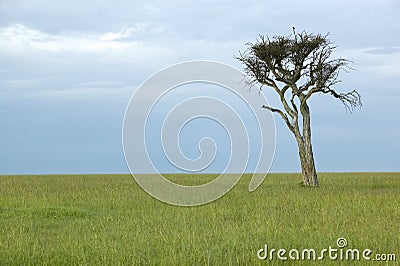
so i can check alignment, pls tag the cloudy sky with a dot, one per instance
(69, 68)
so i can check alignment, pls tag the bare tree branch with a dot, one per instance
(282, 114)
(350, 100)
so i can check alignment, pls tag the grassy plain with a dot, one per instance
(109, 219)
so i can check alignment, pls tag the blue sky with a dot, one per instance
(69, 68)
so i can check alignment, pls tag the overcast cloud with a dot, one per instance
(69, 68)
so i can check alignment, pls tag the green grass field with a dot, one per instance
(109, 219)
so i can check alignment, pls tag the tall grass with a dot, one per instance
(109, 219)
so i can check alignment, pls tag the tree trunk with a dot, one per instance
(305, 150)
(308, 171)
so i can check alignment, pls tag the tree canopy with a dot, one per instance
(300, 57)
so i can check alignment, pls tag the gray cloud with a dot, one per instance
(386, 50)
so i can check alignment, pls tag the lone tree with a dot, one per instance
(296, 67)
